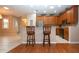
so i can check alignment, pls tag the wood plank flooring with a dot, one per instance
(39, 48)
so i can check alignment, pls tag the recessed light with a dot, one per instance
(44, 11)
(51, 7)
(59, 5)
(34, 11)
(5, 7)
(55, 11)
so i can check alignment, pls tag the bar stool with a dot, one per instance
(46, 33)
(30, 35)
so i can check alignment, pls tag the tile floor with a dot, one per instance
(60, 40)
(8, 42)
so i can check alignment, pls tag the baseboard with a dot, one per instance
(74, 42)
(24, 42)
(54, 42)
(39, 42)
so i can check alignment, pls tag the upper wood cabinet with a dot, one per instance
(39, 18)
(72, 15)
(59, 20)
(51, 20)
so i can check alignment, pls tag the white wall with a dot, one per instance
(32, 17)
(23, 34)
(16, 24)
(74, 32)
(23, 29)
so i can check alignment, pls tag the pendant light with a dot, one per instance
(0, 16)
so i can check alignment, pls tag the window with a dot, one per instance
(5, 23)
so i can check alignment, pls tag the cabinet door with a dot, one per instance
(72, 15)
(51, 20)
(46, 20)
(54, 19)
(64, 16)
(59, 18)
(0, 26)
(39, 18)
(66, 33)
(75, 14)
(69, 16)
(0, 23)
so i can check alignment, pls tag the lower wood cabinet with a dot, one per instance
(63, 32)
(66, 33)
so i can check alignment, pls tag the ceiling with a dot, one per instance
(23, 10)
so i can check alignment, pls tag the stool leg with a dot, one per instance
(27, 39)
(33, 40)
(49, 40)
(43, 40)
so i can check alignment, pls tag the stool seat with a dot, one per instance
(46, 32)
(30, 32)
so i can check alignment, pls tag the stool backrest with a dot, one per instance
(47, 28)
(30, 29)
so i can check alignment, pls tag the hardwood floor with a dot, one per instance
(54, 48)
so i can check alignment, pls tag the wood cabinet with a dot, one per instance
(72, 15)
(58, 31)
(51, 20)
(0, 26)
(0, 23)
(39, 18)
(66, 33)
(63, 32)
(61, 18)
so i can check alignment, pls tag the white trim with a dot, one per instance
(62, 42)
(74, 42)
(39, 42)
(24, 42)
(54, 42)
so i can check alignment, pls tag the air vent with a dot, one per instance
(43, 14)
(66, 9)
(51, 14)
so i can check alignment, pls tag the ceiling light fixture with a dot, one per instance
(34, 11)
(51, 7)
(6, 8)
(59, 5)
(55, 11)
(44, 11)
